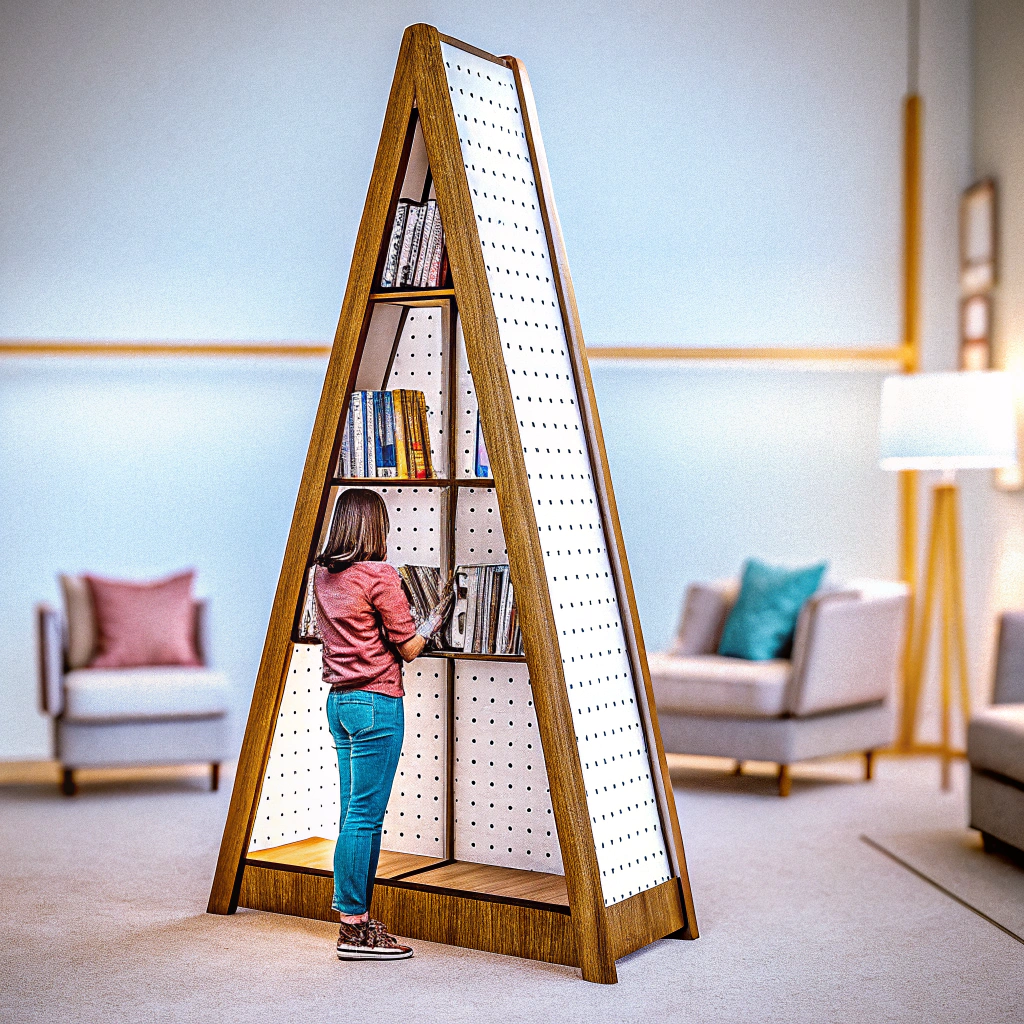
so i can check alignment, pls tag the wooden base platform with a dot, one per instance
(481, 906)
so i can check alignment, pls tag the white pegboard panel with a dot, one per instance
(631, 850)
(300, 794)
(414, 514)
(466, 409)
(479, 538)
(419, 364)
(502, 802)
(299, 798)
(415, 819)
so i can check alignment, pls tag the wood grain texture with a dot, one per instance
(606, 497)
(270, 679)
(490, 378)
(653, 914)
(316, 855)
(456, 920)
(535, 886)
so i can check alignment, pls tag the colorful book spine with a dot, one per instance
(358, 435)
(401, 443)
(434, 270)
(389, 465)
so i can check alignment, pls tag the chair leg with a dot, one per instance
(214, 776)
(869, 765)
(67, 782)
(784, 780)
(738, 770)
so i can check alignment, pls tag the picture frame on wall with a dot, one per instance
(976, 332)
(978, 238)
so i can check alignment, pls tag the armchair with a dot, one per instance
(123, 717)
(834, 695)
(995, 748)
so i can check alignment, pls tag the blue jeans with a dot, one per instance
(367, 729)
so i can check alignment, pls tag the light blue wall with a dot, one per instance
(727, 173)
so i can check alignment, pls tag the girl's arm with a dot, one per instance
(412, 648)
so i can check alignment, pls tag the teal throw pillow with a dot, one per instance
(763, 620)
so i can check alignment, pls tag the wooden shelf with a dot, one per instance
(431, 481)
(315, 856)
(398, 295)
(467, 656)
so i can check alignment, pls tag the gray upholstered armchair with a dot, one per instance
(834, 695)
(122, 717)
(995, 748)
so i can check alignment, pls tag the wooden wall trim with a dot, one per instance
(869, 358)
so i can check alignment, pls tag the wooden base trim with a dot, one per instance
(653, 914)
(471, 920)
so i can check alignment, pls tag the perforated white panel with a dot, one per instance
(415, 819)
(479, 538)
(300, 799)
(300, 789)
(419, 364)
(415, 517)
(502, 802)
(466, 409)
(630, 846)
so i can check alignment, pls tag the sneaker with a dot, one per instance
(369, 941)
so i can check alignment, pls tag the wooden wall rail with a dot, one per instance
(897, 356)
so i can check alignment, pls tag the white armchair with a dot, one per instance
(123, 717)
(834, 695)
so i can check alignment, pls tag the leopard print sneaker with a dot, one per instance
(369, 941)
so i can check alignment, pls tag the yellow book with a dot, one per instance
(401, 451)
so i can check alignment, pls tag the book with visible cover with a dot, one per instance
(386, 434)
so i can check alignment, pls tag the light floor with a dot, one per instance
(102, 900)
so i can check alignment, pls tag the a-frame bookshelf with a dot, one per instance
(589, 865)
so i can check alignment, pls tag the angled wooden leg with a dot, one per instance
(869, 765)
(738, 770)
(785, 780)
(214, 776)
(67, 782)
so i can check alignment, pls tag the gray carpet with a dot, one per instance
(953, 859)
(102, 901)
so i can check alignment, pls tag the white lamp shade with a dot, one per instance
(948, 421)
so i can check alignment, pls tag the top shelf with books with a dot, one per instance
(412, 294)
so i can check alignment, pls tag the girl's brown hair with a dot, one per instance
(359, 531)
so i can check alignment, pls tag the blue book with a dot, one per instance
(378, 432)
(390, 463)
(367, 427)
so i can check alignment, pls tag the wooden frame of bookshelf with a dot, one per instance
(586, 917)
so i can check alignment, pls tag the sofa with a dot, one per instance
(122, 717)
(995, 748)
(834, 694)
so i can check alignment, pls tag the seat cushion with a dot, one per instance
(167, 691)
(995, 740)
(714, 685)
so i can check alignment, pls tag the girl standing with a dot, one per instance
(366, 625)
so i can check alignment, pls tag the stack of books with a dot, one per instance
(484, 617)
(416, 255)
(386, 435)
(422, 584)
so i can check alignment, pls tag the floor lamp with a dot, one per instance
(944, 422)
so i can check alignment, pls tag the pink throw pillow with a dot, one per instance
(144, 623)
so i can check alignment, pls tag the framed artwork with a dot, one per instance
(978, 238)
(976, 333)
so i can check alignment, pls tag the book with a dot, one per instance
(410, 245)
(390, 271)
(415, 256)
(422, 263)
(484, 619)
(422, 585)
(386, 434)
